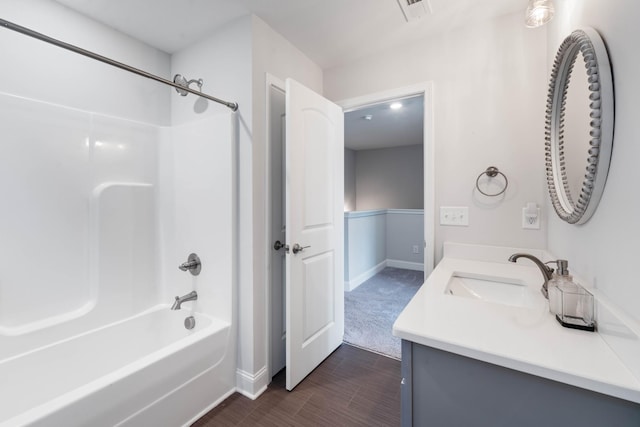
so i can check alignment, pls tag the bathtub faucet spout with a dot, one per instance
(191, 296)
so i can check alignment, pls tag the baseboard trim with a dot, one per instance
(252, 385)
(210, 407)
(350, 285)
(407, 265)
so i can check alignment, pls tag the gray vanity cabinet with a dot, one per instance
(442, 389)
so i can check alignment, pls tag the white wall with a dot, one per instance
(349, 180)
(223, 61)
(605, 250)
(37, 70)
(489, 99)
(390, 178)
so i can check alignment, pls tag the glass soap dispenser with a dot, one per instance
(571, 303)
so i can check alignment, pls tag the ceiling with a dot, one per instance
(330, 32)
(386, 127)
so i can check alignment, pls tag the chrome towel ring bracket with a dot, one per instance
(492, 172)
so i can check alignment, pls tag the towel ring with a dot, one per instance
(492, 172)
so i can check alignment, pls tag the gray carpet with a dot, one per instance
(371, 308)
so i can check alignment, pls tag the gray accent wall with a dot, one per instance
(381, 238)
(405, 229)
(349, 179)
(365, 244)
(390, 178)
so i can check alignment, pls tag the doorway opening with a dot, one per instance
(275, 224)
(423, 91)
(384, 218)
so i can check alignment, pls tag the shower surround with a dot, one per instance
(99, 211)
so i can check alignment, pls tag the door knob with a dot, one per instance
(278, 245)
(297, 248)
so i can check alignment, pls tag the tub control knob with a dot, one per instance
(193, 264)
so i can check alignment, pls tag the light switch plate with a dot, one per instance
(454, 215)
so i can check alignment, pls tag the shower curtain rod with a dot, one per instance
(28, 32)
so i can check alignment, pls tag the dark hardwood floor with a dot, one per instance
(352, 387)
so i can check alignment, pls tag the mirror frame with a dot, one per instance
(577, 209)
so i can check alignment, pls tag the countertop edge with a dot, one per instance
(632, 395)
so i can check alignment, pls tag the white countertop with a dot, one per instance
(525, 339)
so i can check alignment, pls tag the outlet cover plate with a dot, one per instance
(531, 221)
(454, 215)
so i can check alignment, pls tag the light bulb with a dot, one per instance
(538, 13)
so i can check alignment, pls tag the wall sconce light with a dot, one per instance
(538, 13)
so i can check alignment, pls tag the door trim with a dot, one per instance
(425, 89)
(271, 80)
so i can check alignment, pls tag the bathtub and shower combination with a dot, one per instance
(98, 214)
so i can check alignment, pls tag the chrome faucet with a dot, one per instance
(191, 296)
(547, 272)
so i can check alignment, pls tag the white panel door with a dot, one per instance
(315, 221)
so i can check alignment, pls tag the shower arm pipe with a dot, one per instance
(36, 35)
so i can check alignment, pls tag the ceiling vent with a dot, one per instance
(415, 9)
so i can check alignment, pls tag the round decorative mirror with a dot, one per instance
(579, 126)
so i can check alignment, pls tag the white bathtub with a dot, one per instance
(145, 370)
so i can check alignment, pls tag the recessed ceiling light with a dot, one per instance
(367, 117)
(396, 105)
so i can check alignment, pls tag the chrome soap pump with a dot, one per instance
(568, 301)
(560, 277)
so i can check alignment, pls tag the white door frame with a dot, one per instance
(425, 89)
(275, 82)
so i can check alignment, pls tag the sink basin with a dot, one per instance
(493, 289)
